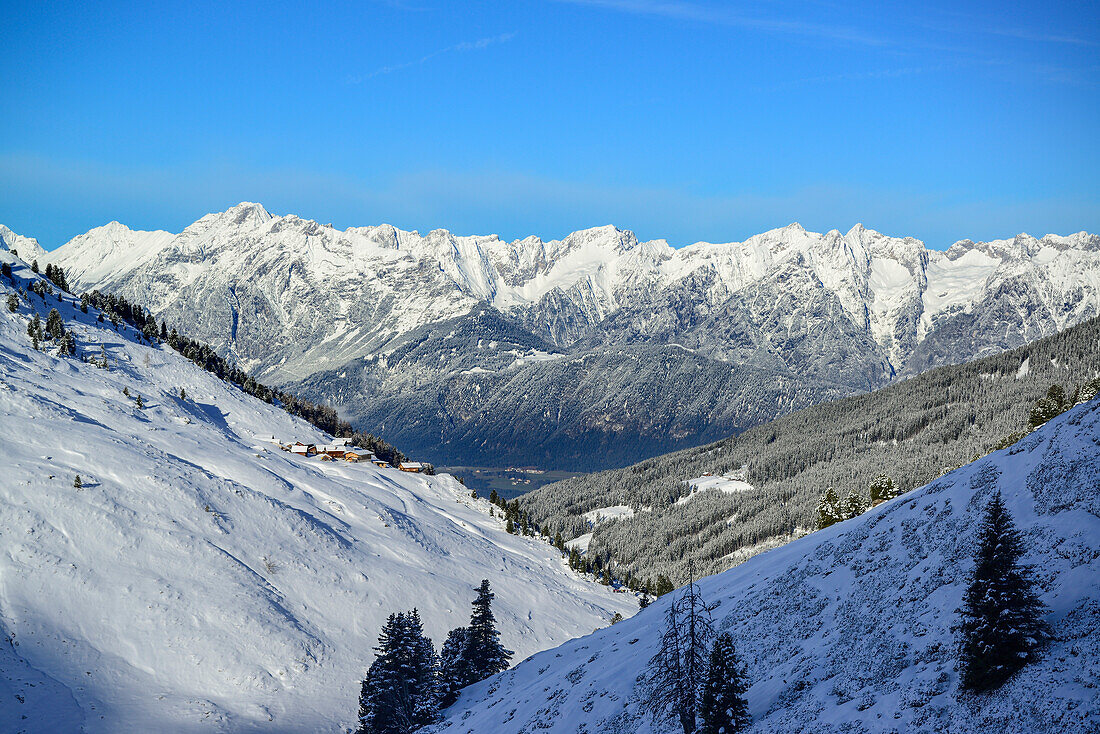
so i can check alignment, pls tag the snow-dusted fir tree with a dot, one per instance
(829, 509)
(853, 506)
(1002, 624)
(401, 691)
(882, 488)
(723, 709)
(483, 654)
(676, 672)
(55, 327)
(452, 667)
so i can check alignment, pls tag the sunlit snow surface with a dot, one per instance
(202, 579)
(849, 628)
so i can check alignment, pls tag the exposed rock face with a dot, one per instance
(784, 319)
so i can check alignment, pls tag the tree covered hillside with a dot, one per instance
(912, 431)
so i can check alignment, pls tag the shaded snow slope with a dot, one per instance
(203, 579)
(849, 629)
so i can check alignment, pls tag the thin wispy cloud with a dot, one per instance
(967, 24)
(462, 46)
(1026, 35)
(869, 75)
(683, 10)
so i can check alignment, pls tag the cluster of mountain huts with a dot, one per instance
(340, 449)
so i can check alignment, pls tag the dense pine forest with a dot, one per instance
(911, 432)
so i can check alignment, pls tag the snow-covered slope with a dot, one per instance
(203, 579)
(849, 628)
(814, 316)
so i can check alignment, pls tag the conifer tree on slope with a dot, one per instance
(401, 690)
(829, 509)
(853, 506)
(882, 488)
(677, 670)
(723, 709)
(452, 666)
(1002, 623)
(483, 655)
(664, 585)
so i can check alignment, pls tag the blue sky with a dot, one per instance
(689, 120)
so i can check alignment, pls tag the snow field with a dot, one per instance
(202, 578)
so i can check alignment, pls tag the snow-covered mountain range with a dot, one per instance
(832, 314)
(200, 578)
(850, 628)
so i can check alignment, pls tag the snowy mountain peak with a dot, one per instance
(247, 212)
(27, 247)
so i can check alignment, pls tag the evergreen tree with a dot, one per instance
(34, 329)
(425, 668)
(483, 655)
(452, 667)
(509, 526)
(853, 505)
(723, 709)
(13, 303)
(55, 327)
(1089, 390)
(140, 402)
(882, 488)
(643, 600)
(829, 510)
(77, 482)
(34, 266)
(664, 585)
(677, 670)
(1002, 623)
(1045, 409)
(401, 691)
(1057, 395)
